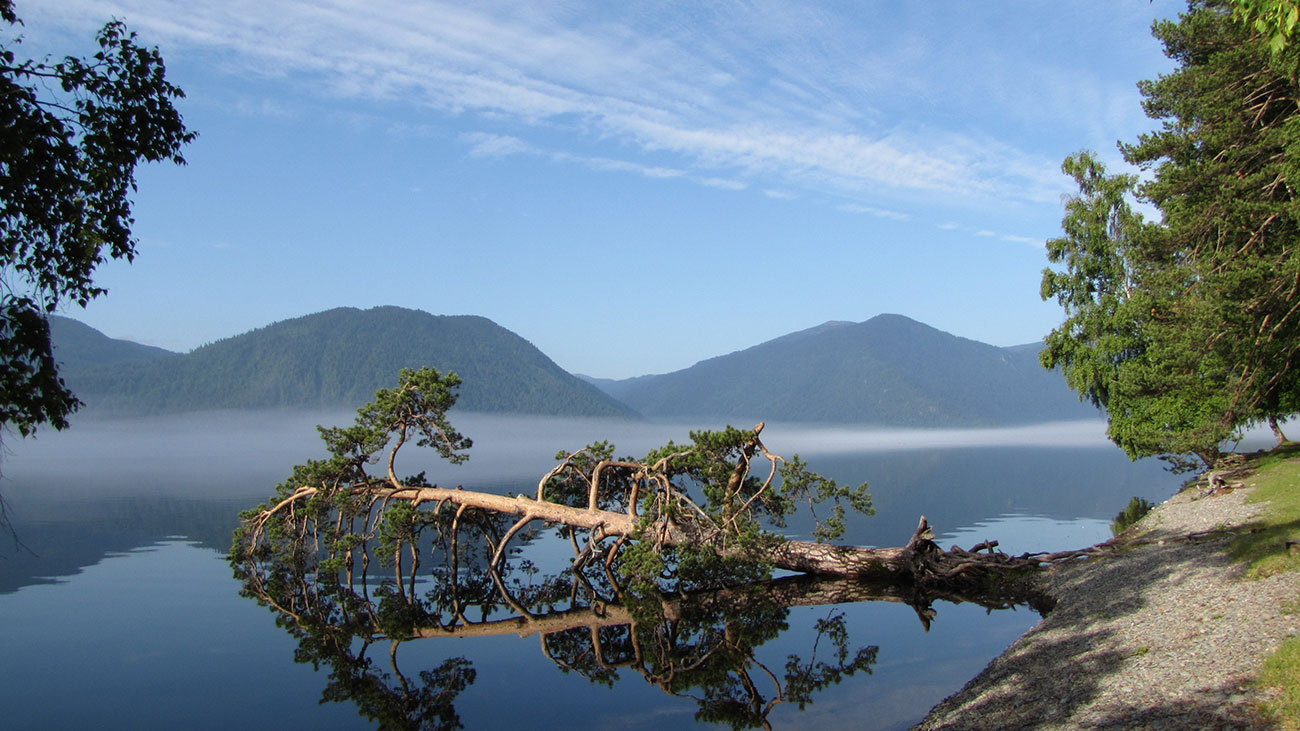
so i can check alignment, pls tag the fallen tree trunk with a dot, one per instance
(921, 561)
(648, 506)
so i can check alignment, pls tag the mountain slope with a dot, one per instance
(887, 370)
(79, 346)
(340, 358)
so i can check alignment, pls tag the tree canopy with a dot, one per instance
(72, 133)
(1272, 19)
(1186, 329)
(682, 518)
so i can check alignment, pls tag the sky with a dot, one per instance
(632, 187)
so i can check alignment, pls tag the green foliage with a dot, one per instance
(700, 509)
(1274, 20)
(698, 567)
(73, 132)
(1132, 513)
(737, 479)
(800, 485)
(642, 566)
(1185, 330)
(416, 410)
(1101, 331)
(571, 484)
(306, 550)
(717, 464)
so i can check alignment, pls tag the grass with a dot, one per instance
(1281, 671)
(1277, 482)
(1265, 551)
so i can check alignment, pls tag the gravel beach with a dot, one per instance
(1165, 635)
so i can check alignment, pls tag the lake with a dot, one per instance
(121, 611)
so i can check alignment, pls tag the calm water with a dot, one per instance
(125, 614)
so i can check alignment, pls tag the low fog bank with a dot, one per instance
(245, 453)
(113, 485)
(229, 452)
(810, 439)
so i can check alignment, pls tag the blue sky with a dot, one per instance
(632, 187)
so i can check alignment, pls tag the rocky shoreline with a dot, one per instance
(1162, 635)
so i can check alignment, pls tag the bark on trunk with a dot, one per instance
(921, 561)
(1277, 430)
(885, 564)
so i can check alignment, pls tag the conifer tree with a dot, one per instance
(1188, 329)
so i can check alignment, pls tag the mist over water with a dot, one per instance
(817, 439)
(259, 443)
(129, 519)
(160, 474)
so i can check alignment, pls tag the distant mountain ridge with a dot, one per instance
(339, 357)
(79, 346)
(889, 370)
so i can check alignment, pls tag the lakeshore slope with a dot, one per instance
(1161, 635)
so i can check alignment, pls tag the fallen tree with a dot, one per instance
(689, 516)
(706, 645)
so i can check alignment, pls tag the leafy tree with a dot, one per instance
(1187, 329)
(71, 135)
(1272, 19)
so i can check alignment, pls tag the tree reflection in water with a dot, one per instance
(698, 644)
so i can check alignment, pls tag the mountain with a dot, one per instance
(79, 346)
(338, 358)
(887, 370)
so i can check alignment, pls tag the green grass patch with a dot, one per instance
(1281, 672)
(1277, 481)
(1264, 549)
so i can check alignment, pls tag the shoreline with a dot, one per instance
(1160, 635)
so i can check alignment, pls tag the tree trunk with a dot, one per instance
(920, 561)
(1277, 430)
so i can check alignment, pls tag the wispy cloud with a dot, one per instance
(777, 93)
(723, 183)
(870, 211)
(1023, 240)
(984, 233)
(482, 144)
(264, 108)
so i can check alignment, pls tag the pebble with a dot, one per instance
(1166, 635)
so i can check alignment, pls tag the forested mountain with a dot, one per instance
(78, 346)
(338, 358)
(887, 370)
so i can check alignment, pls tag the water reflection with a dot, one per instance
(82, 500)
(110, 486)
(699, 646)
